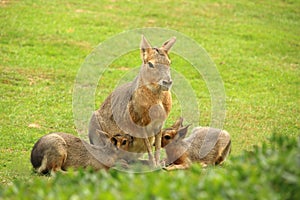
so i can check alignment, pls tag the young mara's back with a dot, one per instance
(218, 151)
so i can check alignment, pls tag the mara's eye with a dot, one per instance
(151, 64)
(167, 137)
(114, 141)
(124, 142)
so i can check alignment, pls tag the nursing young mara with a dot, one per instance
(59, 151)
(183, 151)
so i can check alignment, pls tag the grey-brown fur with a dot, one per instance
(59, 151)
(141, 106)
(182, 152)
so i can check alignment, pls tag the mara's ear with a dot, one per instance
(103, 136)
(130, 138)
(177, 124)
(145, 49)
(102, 133)
(183, 131)
(144, 43)
(168, 44)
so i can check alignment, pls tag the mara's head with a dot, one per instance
(105, 141)
(174, 133)
(155, 69)
(122, 141)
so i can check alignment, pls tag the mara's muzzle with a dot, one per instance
(166, 85)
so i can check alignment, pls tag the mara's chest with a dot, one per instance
(146, 105)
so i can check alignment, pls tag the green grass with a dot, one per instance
(265, 173)
(255, 46)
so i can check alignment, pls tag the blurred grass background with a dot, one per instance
(255, 46)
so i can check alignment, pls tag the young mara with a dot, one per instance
(182, 152)
(59, 151)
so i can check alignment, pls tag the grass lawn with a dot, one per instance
(255, 46)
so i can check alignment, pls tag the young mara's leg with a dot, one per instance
(175, 167)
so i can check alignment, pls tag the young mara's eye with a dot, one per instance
(114, 141)
(124, 142)
(167, 137)
(151, 64)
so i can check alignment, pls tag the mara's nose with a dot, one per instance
(167, 83)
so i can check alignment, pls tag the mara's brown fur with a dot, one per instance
(140, 107)
(182, 152)
(59, 151)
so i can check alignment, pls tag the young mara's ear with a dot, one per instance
(145, 49)
(183, 131)
(177, 124)
(103, 136)
(168, 44)
(102, 133)
(130, 138)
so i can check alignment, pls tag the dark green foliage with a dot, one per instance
(264, 173)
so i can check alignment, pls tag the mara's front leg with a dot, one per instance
(157, 147)
(149, 151)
